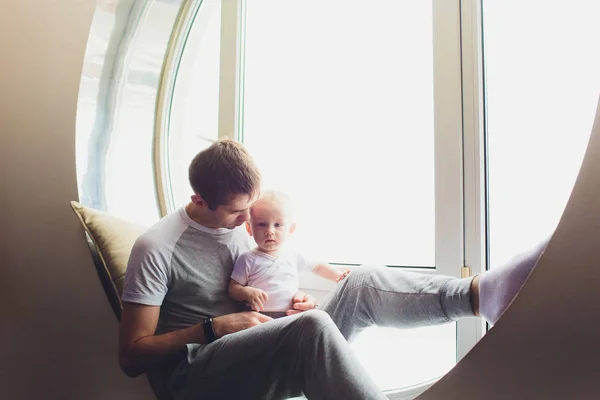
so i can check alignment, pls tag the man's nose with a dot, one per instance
(245, 215)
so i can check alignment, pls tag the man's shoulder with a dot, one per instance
(163, 234)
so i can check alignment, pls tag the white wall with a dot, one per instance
(58, 336)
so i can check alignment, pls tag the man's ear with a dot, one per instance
(198, 200)
(292, 228)
(248, 228)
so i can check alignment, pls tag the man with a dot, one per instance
(178, 321)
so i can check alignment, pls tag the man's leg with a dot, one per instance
(395, 298)
(391, 297)
(276, 360)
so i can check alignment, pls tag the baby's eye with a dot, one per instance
(262, 225)
(278, 225)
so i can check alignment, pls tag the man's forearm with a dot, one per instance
(147, 352)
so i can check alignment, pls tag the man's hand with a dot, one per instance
(255, 298)
(302, 302)
(231, 323)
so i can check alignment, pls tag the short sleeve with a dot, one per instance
(304, 263)
(146, 280)
(241, 268)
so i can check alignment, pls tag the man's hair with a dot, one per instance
(223, 170)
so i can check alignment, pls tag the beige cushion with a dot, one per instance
(112, 239)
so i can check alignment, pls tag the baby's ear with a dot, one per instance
(292, 227)
(248, 228)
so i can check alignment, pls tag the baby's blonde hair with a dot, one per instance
(280, 198)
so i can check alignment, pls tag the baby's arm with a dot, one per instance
(253, 296)
(328, 272)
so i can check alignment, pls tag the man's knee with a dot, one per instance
(317, 333)
(314, 321)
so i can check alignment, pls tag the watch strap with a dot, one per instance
(209, 332)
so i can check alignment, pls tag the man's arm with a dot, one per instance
(140, 349)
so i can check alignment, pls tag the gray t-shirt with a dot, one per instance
(185, 268)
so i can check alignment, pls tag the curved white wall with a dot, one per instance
(58, 336)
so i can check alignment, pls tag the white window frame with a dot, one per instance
(460, 208)
(474, 159)
(231, 71)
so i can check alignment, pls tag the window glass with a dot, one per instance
(115, 112)
(194, 113)
(542, 86)
(338, 112)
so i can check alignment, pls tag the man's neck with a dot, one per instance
(197, 216)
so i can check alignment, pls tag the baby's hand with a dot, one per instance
(255, 298)
(343, 275)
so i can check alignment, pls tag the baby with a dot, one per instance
(266, 277)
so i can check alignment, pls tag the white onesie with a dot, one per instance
(277, 276)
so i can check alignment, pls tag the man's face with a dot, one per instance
(235, 213)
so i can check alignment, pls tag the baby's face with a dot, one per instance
(270, 224)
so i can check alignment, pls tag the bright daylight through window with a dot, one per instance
(542, 88)
(337, 103)
(340, 116)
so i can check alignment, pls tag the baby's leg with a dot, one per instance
(499, 286)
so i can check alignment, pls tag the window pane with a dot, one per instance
(338, 112)
(116, 107)
(542, 87)
(193, 125)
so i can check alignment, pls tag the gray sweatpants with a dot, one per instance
(309, 353)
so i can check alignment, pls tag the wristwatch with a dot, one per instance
(209, 332)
